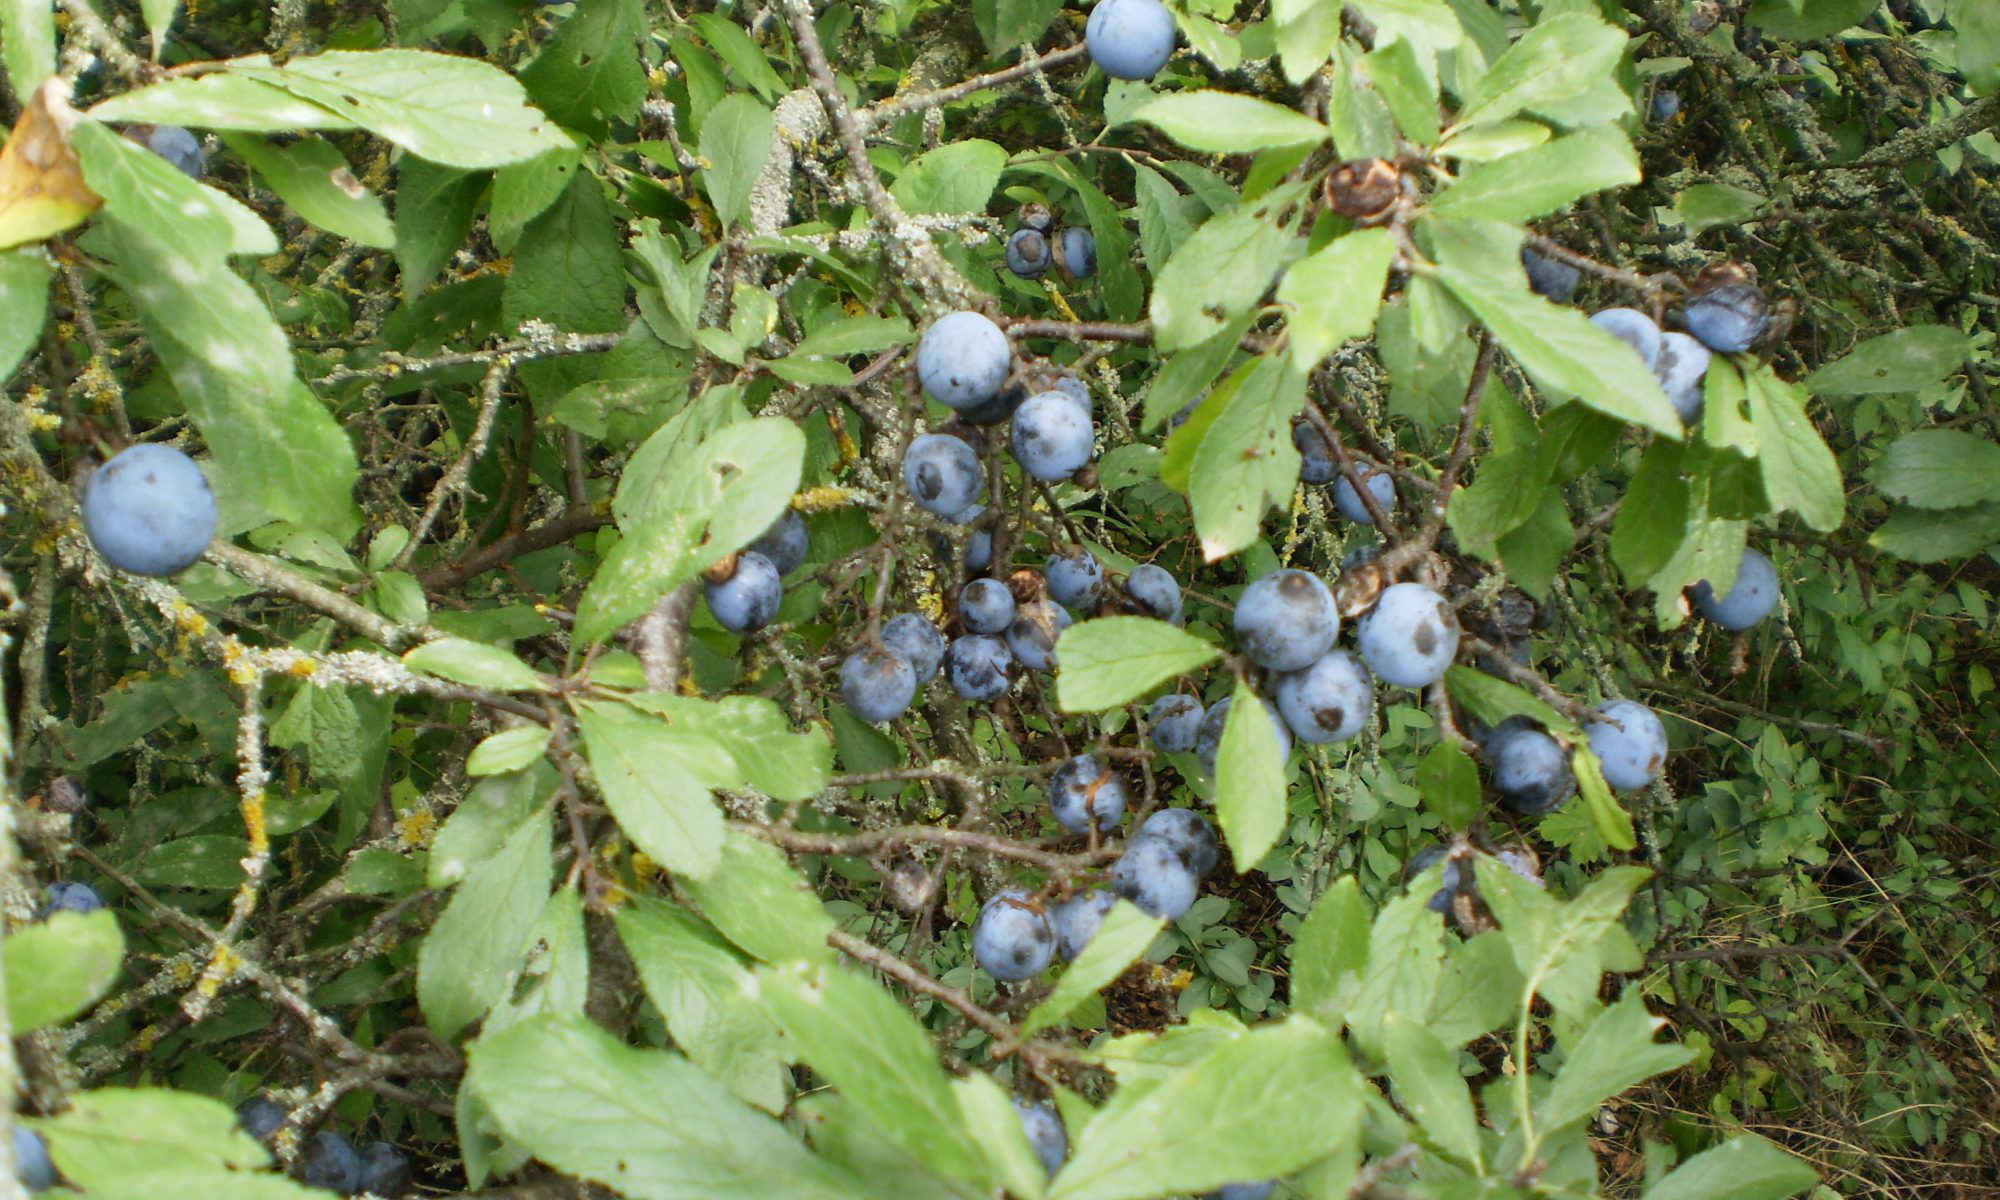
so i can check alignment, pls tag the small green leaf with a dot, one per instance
(743, 55)
(1247, 461)
(24, 301)
(1978, 26)
(1494, 700)
(1406, 87)
(1430, 1089)
(476, 945)
(477, 664)
(27, 44)
(1449, 783)
(1330, 952)
(1336, 294)
(656, 775)
(313, 177)
(1250, 779)
(1939, 468)
(1615, 1053)
(508, 750)
(1120, 940)
(59, 967)
(1613, 823)
(952, 179)
(1927, 537)
(1800, 471)
(1557, 60)
(1544, 179)
(1223, 269)
(1404, 963)
(1110, 660)
(855, 335)
(1004, 25)
(590, 74)
(1222, 123)
(736, 141)
(1907, 360)
(761, 903)
(1742, 1168)
(1652, 521)
(1707, 205)
(1810, 21)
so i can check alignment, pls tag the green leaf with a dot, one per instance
(1405, 961)
(1812, 21)
(955, 178)
(27, 44)
(1978, 26)
(159, 15)
(1406, 87)
(24, 302)
(869, 1047)
(743, 55)
(657, 775)
(1250, 791)
(1264, 1103)
(313, 177)
(435, 208)
(1188, 373)
(1800, 471)
(1222, 270)
(716, 500)
(508, 750)
(1707, 205)
(1494, 700)
(1560, 947)
(59, 967)
(1557, 346)
(646, 1123)
(1430, 1089)
(1120, 940)
(136, 1143)
(762, 904)
(1939, 468)
(855, 335)
(569, 272)
(1307, 33)
(218, 101)
(1544, 179)
(490, 814)
(141, 188)
(1907, 360)
(1616, 1052)
(275, 445)
(698, 984)
(1927, 537)
(1479, 991)
(1558, 60)
(1496, 141)
(475, 947)
(1004, 25)
(1336, 294)
(523, 191)
(736, 140)
(589, 75)
(478, 664)
(1330, 952)
(756, 738)
(1742, 1168)
(1111, 660)
(1533, 551)
(1222, 123)
(459, 112)
(1613, 823)
(1246, 461)
(1506, 492)
(1448, 780)
(1653, 519)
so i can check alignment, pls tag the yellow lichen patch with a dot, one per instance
(254, 822)
(221, 965)
(826, 498)
(148, 1038)
(303, 668)
(416, 828)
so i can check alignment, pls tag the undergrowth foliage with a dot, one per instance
(1371, 600)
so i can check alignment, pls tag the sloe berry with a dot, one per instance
(878, 684)
(1635, 329)
(1632, 755)
(1078, 919)
(70, 896)
(1082, 792)
(1012, 938)
(1174, 719)
(943, 474)
(1045, 1133)
(985, 606)
(1750, 601)
(1728, 319)
(1052, 437)
(1152, 876)
(1130, 39)
(1328, 701)
(1076, 579)
(1316, 464)
(1076, 252)
(963, 358)
(1190, 835)
(1155, 590)
(1028, 253)
(149, 510)
(913, 638)
(332, 1163)
(1551, 279)
(1380, 485)
(1032, 636)
(749, 599)
(1531, 770)
(1286, 619)
(1208, 738)
(31, 1160)
(385, 1172)
(1410, 637)
(980, 667)
(785, 543)
(1682, 370)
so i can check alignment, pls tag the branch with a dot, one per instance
(875, 116)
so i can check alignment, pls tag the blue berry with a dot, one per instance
(785, 543)
(985, 606)
(943, 474)
(1551, 279)
(1682, 370)
(149, 510)
(1328, 701)
(1531, 771)
(31, 1160)
(912, 637)
(70, 896)
(1052, 437)
(1012, 938)
(1155, 590)
(260, 1116)
(963, 359)
(1082, 794)
(1032, 636)
(1380, 485)
(1045, 1133)
(1069, 385)
(1316, 464)
(332, 1163)
(1130, 39)
(385, 1172)
(1666, 105)
(978, 546)
(1174, 720)
(749, 598)
(1152, 876)
(1522, 862)
(1001, 407)
(1028, 253)
(877, 683)
(980, 667)
(1208, 738)
(1076, 252)
(1286, 619)
(1243, 1191)
(1076, 580)
(179, 147)
(1634, 749)
(1410, 637)
(1454, 876)
(1728, 319)
(1189, 834)
(1750, 601)
(1635, 329)
(1078, 919)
